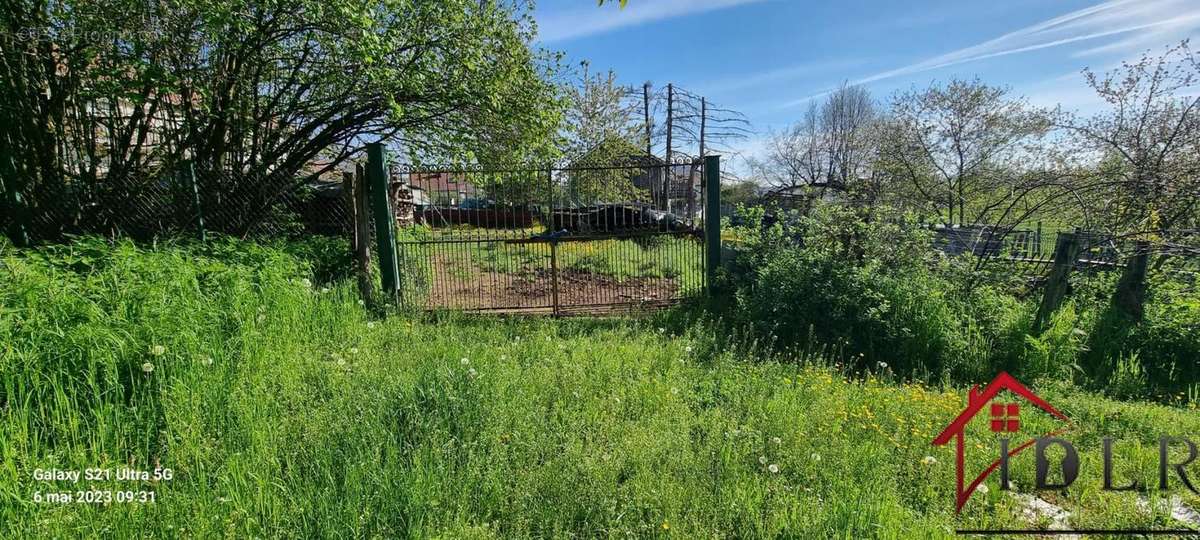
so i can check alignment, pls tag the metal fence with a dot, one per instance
(556, 239)
(185, 201)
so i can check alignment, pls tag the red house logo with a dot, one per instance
(1004, 418)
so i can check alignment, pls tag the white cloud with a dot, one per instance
(1144, 23)
(580, 22)
(1107, 19)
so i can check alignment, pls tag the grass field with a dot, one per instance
(282, 409)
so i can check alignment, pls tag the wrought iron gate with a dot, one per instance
(561, 239)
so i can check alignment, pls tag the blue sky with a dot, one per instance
(767, 58)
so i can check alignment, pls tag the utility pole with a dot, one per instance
(646, 112)
(666, 183)
(691, 203)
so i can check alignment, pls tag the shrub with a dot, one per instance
(870, 288)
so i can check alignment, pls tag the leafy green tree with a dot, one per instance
(108, 91)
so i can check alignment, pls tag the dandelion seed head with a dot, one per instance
(464, 361)
(147, 367)
(158, 350)
(773, 468)
(929, 460)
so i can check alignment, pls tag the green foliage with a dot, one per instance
(880, 297)
(285, 411)
(262, 90)
(866, 287)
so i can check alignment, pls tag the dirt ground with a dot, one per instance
(458, 285)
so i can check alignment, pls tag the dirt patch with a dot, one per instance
(459, 284)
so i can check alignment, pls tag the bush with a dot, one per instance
(872, 289)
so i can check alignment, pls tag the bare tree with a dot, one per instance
(832, 147)
(964, 147)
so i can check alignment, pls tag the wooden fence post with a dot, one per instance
(360, 231)
(1066, 251)
(385, 220)
(712, 220)
(1130, 296)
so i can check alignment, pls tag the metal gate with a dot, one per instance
(574, 238)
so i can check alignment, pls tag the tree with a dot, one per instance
(600, 126)
(107, 92)
(965, 148)
(833, 147)
(1148, 142)
(599, 110)
(1147, 181)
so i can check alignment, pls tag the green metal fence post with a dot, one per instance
(712, 220)
(385, 220)
(189, 176)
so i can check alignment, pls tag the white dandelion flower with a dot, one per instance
(147, 367)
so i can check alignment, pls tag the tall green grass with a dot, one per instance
(285, 411)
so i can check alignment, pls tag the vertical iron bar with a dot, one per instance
(554, 274)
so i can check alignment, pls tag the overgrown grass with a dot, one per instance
(285, 411)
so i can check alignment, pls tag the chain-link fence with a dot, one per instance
(188, 200)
